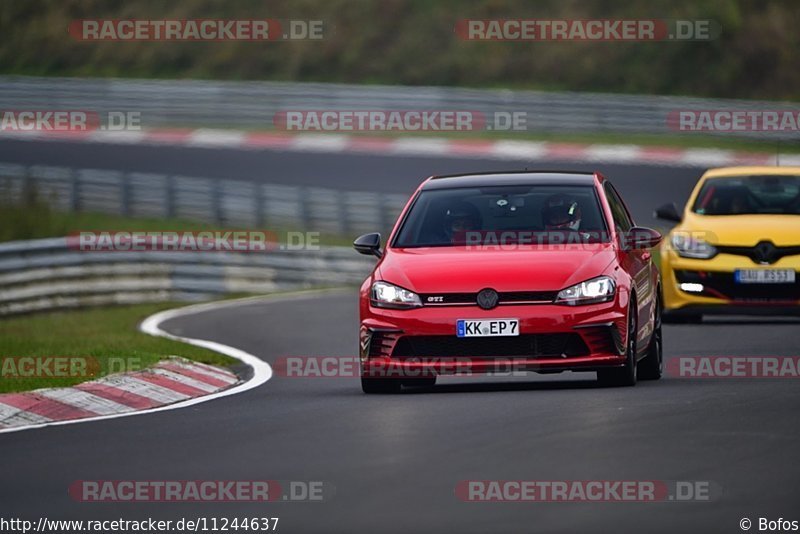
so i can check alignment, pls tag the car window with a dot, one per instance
(763, 195)
(532, 214)
(621, 218)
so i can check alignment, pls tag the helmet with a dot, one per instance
(461, 217)
(561, 212)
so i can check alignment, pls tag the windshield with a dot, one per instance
(520, 214)
(762, 195)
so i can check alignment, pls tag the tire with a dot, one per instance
(380, 385)
(626, 375)
(652, 366)
(427, 382)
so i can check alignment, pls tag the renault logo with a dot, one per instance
(487, 298)
(764, 253)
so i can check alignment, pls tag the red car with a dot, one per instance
(525, 272)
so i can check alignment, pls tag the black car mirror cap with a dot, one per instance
(369, 244)
(641, 237)
(668, 212)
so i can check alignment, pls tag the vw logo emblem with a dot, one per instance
(487, 298)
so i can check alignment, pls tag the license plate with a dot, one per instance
(764, 276)
(487, 327)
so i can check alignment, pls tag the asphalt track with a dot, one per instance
(395, 460)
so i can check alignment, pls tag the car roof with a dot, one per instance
(762, 170)
(486, 179)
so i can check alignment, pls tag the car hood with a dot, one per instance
(745, 230)
(457, 269)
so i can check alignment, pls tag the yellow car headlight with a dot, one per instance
(692, 247)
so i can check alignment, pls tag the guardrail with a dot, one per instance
(46, 274)
(224, 104)
(218, 201)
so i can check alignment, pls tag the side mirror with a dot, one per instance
(640, 237)
(668, 212)
(369, 244)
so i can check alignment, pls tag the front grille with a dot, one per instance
(527, 296)
(522, 346)
(505, 297)
(764, 253)
(723, 285)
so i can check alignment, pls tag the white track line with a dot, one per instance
(216, 138)
(514, 150)
(152, 325)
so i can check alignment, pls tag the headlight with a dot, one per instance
(385, 295)
(690, 247)
(598, 289)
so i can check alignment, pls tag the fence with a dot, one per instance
(218, 201)
(46, 274)
(254, 104)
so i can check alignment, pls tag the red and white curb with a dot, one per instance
(171, 384)
(419, 146)
(169, 381)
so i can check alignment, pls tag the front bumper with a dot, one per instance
(720, 293)
(553, 338)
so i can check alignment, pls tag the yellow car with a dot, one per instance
(736, 248)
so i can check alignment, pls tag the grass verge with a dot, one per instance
(108, 336)
(37, 220)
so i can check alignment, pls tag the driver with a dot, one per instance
(460, 218)
(739, 203)
(561, 212)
